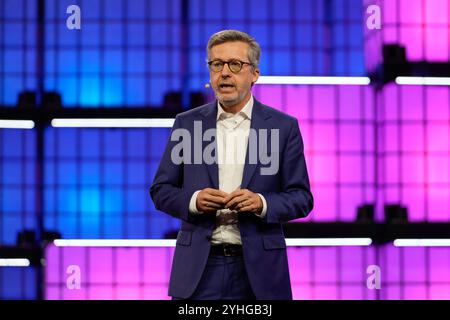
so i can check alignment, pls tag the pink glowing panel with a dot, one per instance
(300, 264)
(369, 132)
(351, 198)
(129, 292)
(323, 170)
(350, 169)
(109, 273)
(438, 137)
(438, 169)
(350, 102)
(412, 102)
(324, 204)
(390, 35)
(155, 292)
(103, 292)
(390, 102)
(415, 292)
(298, 104)
(350, 136)
(352, 292)
(410, 11)
(439, 292)
(392, 194)
(440, 262)
(390, 11)
(324, 102)
(325, 292)
(391, 140)
(369, 109)
(53, 263)
(129, 265)
(412, 137)
(438, 204)
(52, 292)
(436, 12)
(302, 292)
(390, 263)
(411, 38)
(158, 261)
(437, 103)
(414, 199)
(412, 169)
(390, 292)
(103, 272)
(324, 137)
(415, 259)
(369, 170)
(352, 265)
(270, 95)
(325, 264)
(391, 170)
(436, 44)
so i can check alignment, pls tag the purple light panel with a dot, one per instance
(414, 156)
(422, 27)
(109, 273)
(338, 127)
(316, 273)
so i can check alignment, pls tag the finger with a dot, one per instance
(211, 206)
(249, 208)
(218, 193)
(217, 200)
(244, 204)
(234, 194)
(235, 201)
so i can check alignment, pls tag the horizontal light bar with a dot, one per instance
(171, 242)
(113, 123)
(319, 242)
(114, 242)
(16, 124)
(422, 242)
(17, 262)
(314, 80)
(423, 81)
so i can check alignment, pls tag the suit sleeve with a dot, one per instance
(295, 199)
(167, 190)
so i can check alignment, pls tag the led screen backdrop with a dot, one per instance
(363, 144)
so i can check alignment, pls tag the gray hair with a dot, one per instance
(254, 52)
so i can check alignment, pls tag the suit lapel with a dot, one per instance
(210, 122)
(258, 122)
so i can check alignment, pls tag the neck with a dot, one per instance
(236, 107)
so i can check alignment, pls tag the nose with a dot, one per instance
(226, 72)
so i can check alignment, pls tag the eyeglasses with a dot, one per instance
(234, 65)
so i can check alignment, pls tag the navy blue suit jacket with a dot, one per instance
(287, 194)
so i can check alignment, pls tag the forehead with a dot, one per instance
(229, 50)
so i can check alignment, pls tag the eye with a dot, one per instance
(235, 64)
(217, 64)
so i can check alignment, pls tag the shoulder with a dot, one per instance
(280, 118)
(197, 111)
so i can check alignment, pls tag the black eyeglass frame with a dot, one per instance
(241, 65)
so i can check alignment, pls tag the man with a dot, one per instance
(231, 243)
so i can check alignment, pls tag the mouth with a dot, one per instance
(226, 87)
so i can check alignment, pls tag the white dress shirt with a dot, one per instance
(232, 139)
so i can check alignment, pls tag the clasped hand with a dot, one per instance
(242, 200)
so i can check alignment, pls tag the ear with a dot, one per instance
(255, 75)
